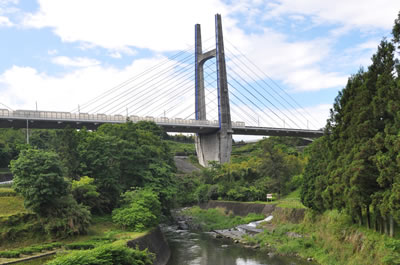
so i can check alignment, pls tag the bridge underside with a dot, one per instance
(178, 128)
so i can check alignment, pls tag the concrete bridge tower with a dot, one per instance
(215, 146)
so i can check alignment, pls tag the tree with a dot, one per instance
(85, 192)
(361, 168)
(38, 177)
(141, 209)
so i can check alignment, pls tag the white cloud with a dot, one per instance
(297, 64)
(20, 87)
(52, 52)
(365, 14)
(155, 25)
(75, 62)
(5, 22)
(311, 117)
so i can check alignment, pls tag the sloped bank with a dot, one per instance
(156, 243)
(292, 215)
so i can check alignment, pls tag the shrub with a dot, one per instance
(84, 191)
(109, 254)
(69, 219)
(38, 178)
(9, 254)
(80, 245)
(7, 192)
(142, 210)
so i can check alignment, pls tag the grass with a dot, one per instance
(292, 200)
(103, 227)
(11, 206)
(213, 219)
(331, 239)
(101, 231)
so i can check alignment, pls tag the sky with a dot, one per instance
(58, 54)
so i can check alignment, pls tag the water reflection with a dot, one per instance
(201, 249)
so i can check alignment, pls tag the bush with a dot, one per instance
(84, 191)
(142, 210)
(7, 192)
(69, 219)
(9, 254)
(38, 177)
(212, 219)
(80, 245)
(105, 255)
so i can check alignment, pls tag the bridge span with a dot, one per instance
(59, 120)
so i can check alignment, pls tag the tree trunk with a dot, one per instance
(368, 218)
(391, 223)
(376, 222)
(360, 219)
(385, 228)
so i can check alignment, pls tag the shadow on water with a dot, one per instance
(188, 248)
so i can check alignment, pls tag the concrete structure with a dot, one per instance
(215, 146)
(59, 120)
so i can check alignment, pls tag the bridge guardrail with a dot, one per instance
(67, 116)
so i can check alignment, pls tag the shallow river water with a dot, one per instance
(188, 248)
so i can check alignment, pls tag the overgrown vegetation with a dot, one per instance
(108, 254)
(212, 219)
(331, 239)
(141, 210)
(355, 166)
(274, 166)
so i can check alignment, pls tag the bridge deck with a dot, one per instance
(60, 120)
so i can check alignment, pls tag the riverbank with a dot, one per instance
(101, 232)
(329, 238)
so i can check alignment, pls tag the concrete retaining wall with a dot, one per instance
(156, 243)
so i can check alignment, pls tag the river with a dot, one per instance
(192, 248)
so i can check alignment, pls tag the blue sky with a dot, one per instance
(61, 53)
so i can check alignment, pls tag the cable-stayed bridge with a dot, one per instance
(221, 94)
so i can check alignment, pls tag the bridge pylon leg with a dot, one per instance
(215, 146)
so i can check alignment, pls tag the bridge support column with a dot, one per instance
(216, 146)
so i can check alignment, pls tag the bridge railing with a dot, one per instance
(86, 117)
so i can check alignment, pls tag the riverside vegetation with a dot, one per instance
(98, 189)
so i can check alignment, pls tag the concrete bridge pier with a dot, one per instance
(214, 146)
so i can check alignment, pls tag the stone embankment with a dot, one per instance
(156, 243)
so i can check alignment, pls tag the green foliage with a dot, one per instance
(9, 254)
(84, 191)
(38, 177)
(141, 210)
(11, 142)
(69, 218)
(273, 166)
(355, 166)
(15, 253)
(181, 148)
(330, 239)
(212, 219)
(109, 254)
(80, 246)
(7, 192)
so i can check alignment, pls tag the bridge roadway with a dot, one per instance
(59, 120)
